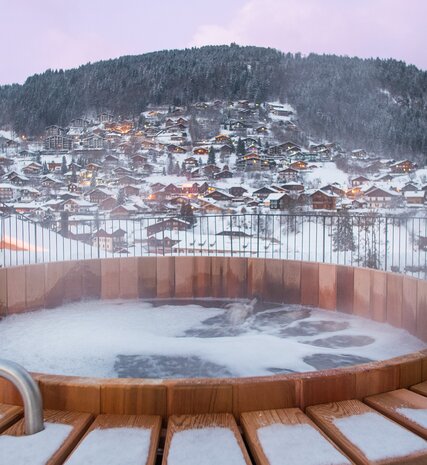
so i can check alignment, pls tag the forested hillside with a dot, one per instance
(376, 104)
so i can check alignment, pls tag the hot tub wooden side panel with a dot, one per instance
(381, 296)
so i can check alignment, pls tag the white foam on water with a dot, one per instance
(113, 446)
(36, 449)
(379, 438)
(85, 338)
(417, 415)
(296, 445)
(205, 446)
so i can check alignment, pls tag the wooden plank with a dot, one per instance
(187, 399)
(8, 415)
(310, 284)
(252, 421)
(79, 422)
(327, 286)
(389, 402)
(180, 423)
(133, 397)
(420, 388)
(345, 289)
(327, 415)
(153, 423)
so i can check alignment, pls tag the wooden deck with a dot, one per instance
(320, 421)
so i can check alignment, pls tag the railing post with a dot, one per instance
(324, 239)
(231, 235)
(257, 235)
(30, 393)
(385, 245)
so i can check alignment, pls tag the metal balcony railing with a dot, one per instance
(390, 243)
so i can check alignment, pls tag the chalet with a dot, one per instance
(51, 183)
(55, 130)
(409, 187)
(190, 163)
(54, 166)
(130, 190)
(376, 197)
(289, 174)
(138, 160)
(404, 166)
(59, 143)
(190, 188)
(126, 179)
(415, 198)
(292, 187)
(237, 191)
(94, 167)
(299, 165)
(210, 170)
(108, 204)
(105, 117)
(78, 206)
(359, 180)
(209, 207)
(249, 162)
(239, 125)
(224, 174)
(93, 141)
(6, 162)
(79, 123)
(171, 148)
(219, 195)
(157, 187)
(32, 169)
(281, 201)
(284, 148)
(172, 189)
(123, 211)
(73, 187)
(169, 224)
(17, 179)
(109, 241)
(334, 189)
(200, 151)
(226, 150)
(321, 200)
(28, 194)
(97, 195)
(163, 244)
(222, 138)
(385, 178)
(354, 192)
(8, 192)
(264, 192)
(261, 130)
(111, 160)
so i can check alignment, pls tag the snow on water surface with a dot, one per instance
(287, 445)
(205, 446)
(36, 449)
(139, 339)
(113, 446)
(379, 438)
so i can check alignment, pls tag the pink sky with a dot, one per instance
(42, 34)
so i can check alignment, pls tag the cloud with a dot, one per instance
(385, 28)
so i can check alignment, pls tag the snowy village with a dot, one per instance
(178, 180)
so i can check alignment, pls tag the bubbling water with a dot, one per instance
(194, 338)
